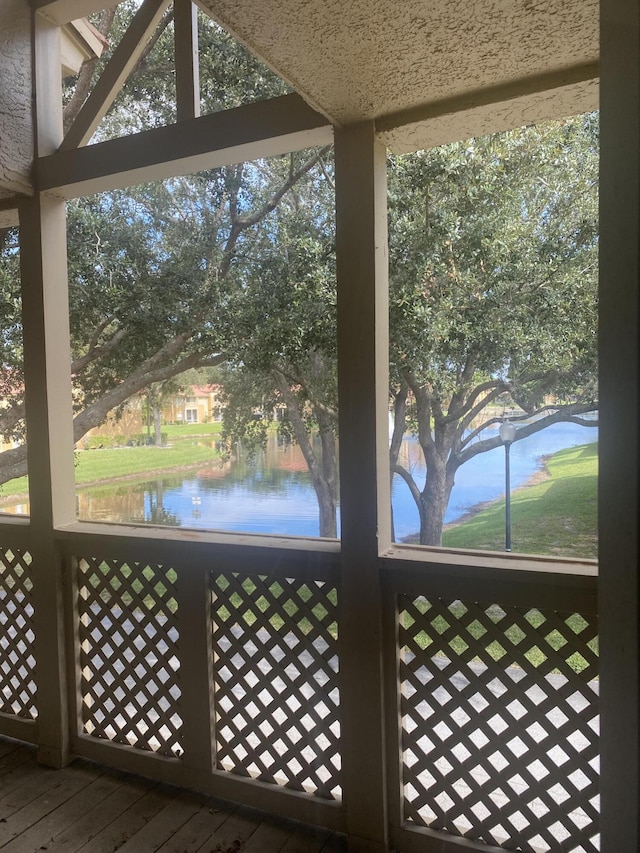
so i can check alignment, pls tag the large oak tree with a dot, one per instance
(493, 296)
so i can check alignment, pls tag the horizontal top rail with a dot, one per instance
(318, 559)
(15, 530)
(485, 583)
(410, 554)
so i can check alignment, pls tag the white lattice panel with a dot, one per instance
(276, 690)
(17, 636)
(500, 723)
(129, 660)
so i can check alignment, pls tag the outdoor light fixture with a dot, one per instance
(507, 435)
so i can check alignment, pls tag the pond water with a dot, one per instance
(273, 493)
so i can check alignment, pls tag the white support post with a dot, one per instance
(185, 27)
(362, 262)
(48, 404)
(196, 667)
(619, 469)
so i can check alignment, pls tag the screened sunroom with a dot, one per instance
(409, 697)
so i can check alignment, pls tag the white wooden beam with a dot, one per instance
(362, 261)
(80, 42)
(116, 73)
(262, 129)
(619, 450)
(48, 404)
(43, 243)
(62, 11)
(48, 86)
(185, 25)
(490, 95)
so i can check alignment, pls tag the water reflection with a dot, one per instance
(272, 493)
(269, 493)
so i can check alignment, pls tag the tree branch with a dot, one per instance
(411, 483)
(564, 414)
(399, 423)
(95, 413)
(295, 378)
(298, 425)
(423, 411)
(293, 178)
(95, 352)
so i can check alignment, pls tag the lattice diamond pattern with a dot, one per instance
(276, 689)
(128, 654)
(17, 636)
(500, 723)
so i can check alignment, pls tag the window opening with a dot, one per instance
(14, 485)
(493, 319)
(202, 315)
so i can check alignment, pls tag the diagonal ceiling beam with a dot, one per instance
(62, 11)
(490, 95)
(250, 132)
(116, 73)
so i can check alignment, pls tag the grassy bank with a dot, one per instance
(191, 430)
(94, 466)
(557, 517)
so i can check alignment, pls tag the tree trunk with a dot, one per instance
(397, 435)
(328, 501)
(434, 501)
(328, 511)
(322, 471)
(432, 508)
(157, 425)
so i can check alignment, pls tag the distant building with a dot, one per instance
(197, 404)
(126, 421)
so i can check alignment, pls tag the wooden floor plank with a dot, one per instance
(127, 792)
(42, 835)
(36, 809)
(165, 823)
(270, 836)
(335, 844)
(307, 840)
(86, 808)
(199, 828)
(16, 758)
(19, 774)
(29, 788)
(234, 832)
(130, 822)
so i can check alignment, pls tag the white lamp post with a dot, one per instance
(507, 435)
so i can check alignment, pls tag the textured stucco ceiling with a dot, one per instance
(16, 134)
(492, 118)
(363, 59)
(428, 71)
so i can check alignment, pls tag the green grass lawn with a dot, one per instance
(96, 465)
(557, 517)
(191, 430)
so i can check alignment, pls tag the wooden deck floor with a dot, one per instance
(96, 810)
